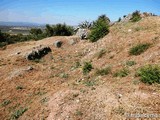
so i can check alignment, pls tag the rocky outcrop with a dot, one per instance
(38, 52)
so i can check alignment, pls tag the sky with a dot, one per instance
(71, 12)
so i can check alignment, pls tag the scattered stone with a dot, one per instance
(18, 53)
(29, 68)
(38, 52)
(129, 30)
(58, 43)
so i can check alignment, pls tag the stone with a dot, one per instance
(29, 68)
(58, 43)
(38, 52)
(82, 33)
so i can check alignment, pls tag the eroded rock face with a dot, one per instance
(38, 52)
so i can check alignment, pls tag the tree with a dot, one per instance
(136, 16)
(35, 31)
(100, 28)
(49, 30)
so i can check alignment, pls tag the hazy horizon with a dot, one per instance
(71, 12)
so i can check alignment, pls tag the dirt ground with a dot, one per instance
(57, 89)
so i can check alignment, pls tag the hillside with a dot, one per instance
(55, 88)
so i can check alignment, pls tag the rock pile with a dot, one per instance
(38, 52)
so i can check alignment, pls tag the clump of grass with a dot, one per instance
(87, 67)
(89, 83)
(79, 113)
(5, 103)
(104, 71)
(149, 74)
(77, 64)
(64, 75)
(130, 63)
(122, 73)
(138, 49)
(101, 53)
(18, 113)
(19, 87)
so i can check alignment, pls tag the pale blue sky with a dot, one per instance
(71, 11)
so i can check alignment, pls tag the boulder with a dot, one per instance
(58, 43)
(82, 33)
(38, 52)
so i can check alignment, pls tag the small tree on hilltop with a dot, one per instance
(136, 16)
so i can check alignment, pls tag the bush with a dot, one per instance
(121, 73)
(18, 113)
(149, 74)
(140, 48)
(87, 67)
(62, 30)
(136, 16)
(100, 29)
(130, 63)
(104, 71)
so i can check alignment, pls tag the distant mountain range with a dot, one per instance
(2, 23)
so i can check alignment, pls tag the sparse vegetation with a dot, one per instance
(79, 113)
(136, 16)
(101, 53)
(18, 113)
(121, 73)
(64, 75)
(130, 63)
(5, 103)
(87, 67)
(104, 71)
(149, 74)
(138, 49)
(100, 28)
(89, 83)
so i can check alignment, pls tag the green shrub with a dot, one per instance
(18, 113)
(121, 73)
(138, 49)
(87, 67)
(104, 71)
(100, 29)
(149, 74)
(136, 16)
(130, 63)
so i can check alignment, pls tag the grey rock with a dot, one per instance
(82, 33)
(38, 52)
(58, 43)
